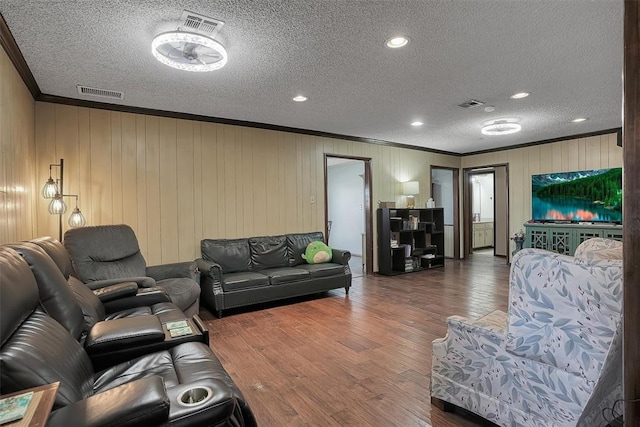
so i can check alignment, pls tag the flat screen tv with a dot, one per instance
(581, 196)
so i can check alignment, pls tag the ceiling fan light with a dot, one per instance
(189, 51)
(501, 127)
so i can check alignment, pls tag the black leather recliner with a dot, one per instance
(155, 389)
(111, 339)
(106, 254)
(116, 301)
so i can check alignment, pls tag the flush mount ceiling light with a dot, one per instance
(501, 127)
(189, 51)
(417, 123)
(396, 42)
(579, 119)
(300, 98)
(520, 95)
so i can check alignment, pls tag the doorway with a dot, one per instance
(486, 211)
(348, 209)
(445, 194)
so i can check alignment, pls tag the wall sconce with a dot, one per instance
(410, 189)
(53, 190)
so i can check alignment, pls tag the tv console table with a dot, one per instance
(565, 238)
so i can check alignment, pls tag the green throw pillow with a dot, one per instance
(317, 253)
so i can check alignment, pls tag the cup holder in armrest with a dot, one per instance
(195, 396)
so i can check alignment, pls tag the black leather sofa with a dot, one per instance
(241, 272)
(45, 338)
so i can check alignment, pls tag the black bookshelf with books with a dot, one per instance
(410, 240)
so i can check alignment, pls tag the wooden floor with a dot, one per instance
(359, 360)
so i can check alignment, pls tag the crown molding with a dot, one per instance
(187, 116)
(618, 131)
(13, 51)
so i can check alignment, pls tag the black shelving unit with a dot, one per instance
(410, 240)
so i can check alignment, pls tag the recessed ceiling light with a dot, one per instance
(300, 98)
(501, 127)
(417, 123)
(396, 42)
(520, 95)
(188, 51)
(579, 119)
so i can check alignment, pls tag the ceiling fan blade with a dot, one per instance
(210, 54)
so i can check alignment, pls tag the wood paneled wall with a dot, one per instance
(177, 181)
(596, 152)
(17, 155)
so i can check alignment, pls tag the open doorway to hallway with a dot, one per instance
(486, 211)
(348, 209)
(444, 192)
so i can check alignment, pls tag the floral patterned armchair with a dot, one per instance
(555, 358)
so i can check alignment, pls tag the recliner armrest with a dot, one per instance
(140, 402)
(142, 281)
(340, 256)
(121, 334)
(186, 269)
(120, 290)
(218, 408)
(145, 297)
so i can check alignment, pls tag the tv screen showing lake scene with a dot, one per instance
(592, 195)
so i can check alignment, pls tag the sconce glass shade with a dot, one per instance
(410, 188)
(50, 189)
(76, 219)
(57, 205)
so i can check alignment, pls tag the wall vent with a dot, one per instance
(471, 103)
(190, 21)
(102, 93)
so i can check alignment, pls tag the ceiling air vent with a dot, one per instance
(471, 103)
(190, 21)
(102, 93)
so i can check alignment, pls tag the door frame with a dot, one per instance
(456, 205)
(467, 219)
(368, 207)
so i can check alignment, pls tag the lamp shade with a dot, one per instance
(57, 205)
(76, 219)
(411, 187)
(50, 189)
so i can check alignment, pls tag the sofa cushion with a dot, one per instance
(268, 252)
(278, 276)
(244, 280)
(322, 270)
(232, 254)
(297, 245)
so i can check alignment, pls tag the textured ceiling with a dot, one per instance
(567, 53)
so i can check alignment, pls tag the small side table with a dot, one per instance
(39, 407)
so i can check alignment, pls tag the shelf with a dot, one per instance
(427, 238)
